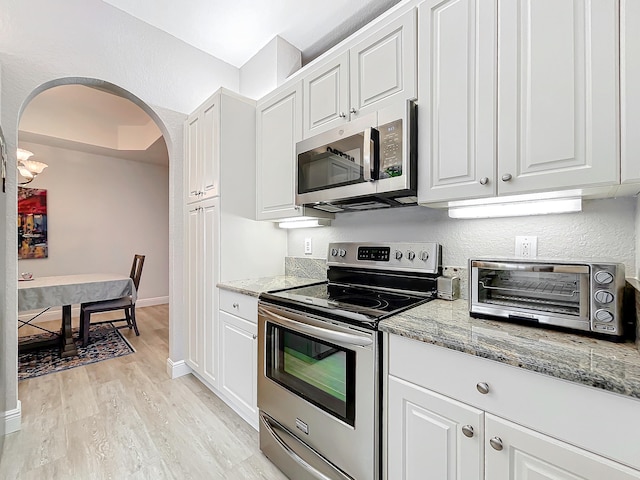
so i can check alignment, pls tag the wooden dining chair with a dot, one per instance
(125, 303)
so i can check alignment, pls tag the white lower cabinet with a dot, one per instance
(452, 416)
(238, 320)
(426, 438)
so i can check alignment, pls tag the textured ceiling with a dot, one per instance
(234, 31)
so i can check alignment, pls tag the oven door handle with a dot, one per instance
(318, 332)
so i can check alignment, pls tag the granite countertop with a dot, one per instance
(255, 286)
(578, 358)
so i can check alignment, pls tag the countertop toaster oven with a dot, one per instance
(583, 296)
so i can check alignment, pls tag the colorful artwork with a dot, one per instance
(32, 223)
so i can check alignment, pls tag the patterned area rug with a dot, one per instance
(106, 342)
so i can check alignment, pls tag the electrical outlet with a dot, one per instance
(527, 247)
(307, 246)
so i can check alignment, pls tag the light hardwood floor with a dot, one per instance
(124, 418)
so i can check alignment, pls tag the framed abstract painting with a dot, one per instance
(32, 223)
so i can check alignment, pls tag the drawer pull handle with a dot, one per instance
(496, 443)
(483, 387)
(235, 305)
(468, 431)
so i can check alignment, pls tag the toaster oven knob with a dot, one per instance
(603, 277)
(334, 252)
(342, 252)
(398, 255)
(424, 256)
(603, 315)
(411, 255)
(602, 296)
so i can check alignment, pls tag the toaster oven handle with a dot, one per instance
(370, 155)
(530, 267)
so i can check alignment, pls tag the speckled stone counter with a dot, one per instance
(578, 358)
(255, 286)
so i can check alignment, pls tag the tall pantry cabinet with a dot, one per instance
(223, 241)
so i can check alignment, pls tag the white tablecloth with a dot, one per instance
(44, 292)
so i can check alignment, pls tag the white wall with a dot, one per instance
(100, 212)
(43, 44)
(604, 229)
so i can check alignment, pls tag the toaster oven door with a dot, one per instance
(553, 294)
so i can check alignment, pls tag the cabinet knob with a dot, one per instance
(468, 431)
(255, 336)
(235, 305)
(506, 177)
(353, 110)
(483, 387)
(342, 115)
(484, 180)
(496, 443)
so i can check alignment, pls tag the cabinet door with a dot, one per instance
(630, 93)
(383, 66)
(239, 347)
(525, 454)
(209, 264)
(193, 273)
(210, 147)
(457, 99)
(558, 94)
(279, 127)
(425, 435)
(326, 96)
(192, 157)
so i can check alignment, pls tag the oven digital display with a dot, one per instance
(374, 254)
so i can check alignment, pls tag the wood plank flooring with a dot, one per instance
(125, 419)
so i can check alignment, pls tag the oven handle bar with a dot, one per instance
(318, 332)
(297, 458)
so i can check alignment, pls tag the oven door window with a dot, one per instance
(319, 372)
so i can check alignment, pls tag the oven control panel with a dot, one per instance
(421, 256)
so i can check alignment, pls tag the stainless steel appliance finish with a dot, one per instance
(581, 296)
(320, 357)
(366, 164)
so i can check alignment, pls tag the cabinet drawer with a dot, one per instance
(574, 413)
(243, 306)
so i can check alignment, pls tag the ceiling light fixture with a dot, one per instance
(29, 169)
(304, 222)
(518, 208)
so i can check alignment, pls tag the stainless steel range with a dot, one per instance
(319, 380)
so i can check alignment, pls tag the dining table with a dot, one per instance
(39, 294)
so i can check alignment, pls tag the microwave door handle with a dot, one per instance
(370, 156)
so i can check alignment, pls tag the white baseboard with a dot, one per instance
(177, 369)
(55, 313)
(12, 419)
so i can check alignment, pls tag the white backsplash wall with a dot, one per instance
(604, 229)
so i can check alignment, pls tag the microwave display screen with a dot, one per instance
(376, 254)
(391, 149)
(540, 291)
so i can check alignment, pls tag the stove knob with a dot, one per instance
(424, 256)
(334, 252)
(342, 252)
(411, 255)
(603, 315)
(398, 255)
(603, 277)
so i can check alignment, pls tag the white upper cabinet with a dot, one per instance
(558, 94)
(379, 69)
(630, 90)
(457, 73)
(278, 129)
(553, 95)
(201, 152)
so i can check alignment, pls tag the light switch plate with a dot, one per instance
(307, 246)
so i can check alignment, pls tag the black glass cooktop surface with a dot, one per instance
(353, 304)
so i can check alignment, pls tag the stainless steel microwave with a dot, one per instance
(581, 296)
(365, 164)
